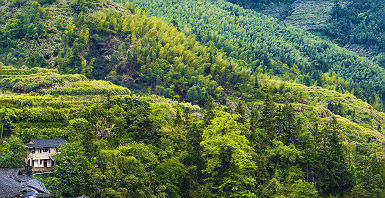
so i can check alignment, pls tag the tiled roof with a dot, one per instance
(40, 143)
(13, 184)
(9, 172)
(11, 188)
(32, 183)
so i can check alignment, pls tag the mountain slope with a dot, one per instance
(252, 37)
(354, 25)
(129, 49)
(261, 132)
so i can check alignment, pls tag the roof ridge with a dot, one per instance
(40, 143)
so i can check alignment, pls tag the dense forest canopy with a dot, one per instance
(356, 25)
(154, 101)
(259, 5)
(262, 41)
(362, 23)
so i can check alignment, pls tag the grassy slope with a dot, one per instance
(313, 101)
(49, 81)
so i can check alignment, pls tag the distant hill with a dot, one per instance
(355, 25)
(262, 41)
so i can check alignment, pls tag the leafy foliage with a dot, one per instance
(228, 158)
(359, 23)
(12, 153)
(263, 43)
(257, 136)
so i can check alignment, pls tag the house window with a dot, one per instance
(45, 150)
(33, 150)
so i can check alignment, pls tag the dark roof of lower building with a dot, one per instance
(32, 183)
(41, 143)
(11, 188)
(14, 183)
(10, 172)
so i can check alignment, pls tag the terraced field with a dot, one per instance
(309, 15)
(49, 81)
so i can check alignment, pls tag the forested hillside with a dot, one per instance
(148, 145)
(249, 36)
(359, 23)
(215, 101)
(355, 25)
(127, 47)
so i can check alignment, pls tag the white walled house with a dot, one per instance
(40, 154)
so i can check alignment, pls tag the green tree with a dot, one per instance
(78, 6)
(369, 172)
(178, 115)
(286, 126)
(196, 95)
(123, 173)
(81, 129)
(5, 122)
(228, 157)
(171, 173)
(139, 125)
(303, 189)
(267, 118)
(12, 153)
(241, 110)
(256, 83)
(209, 111)
(71, 170)
(332, 173)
